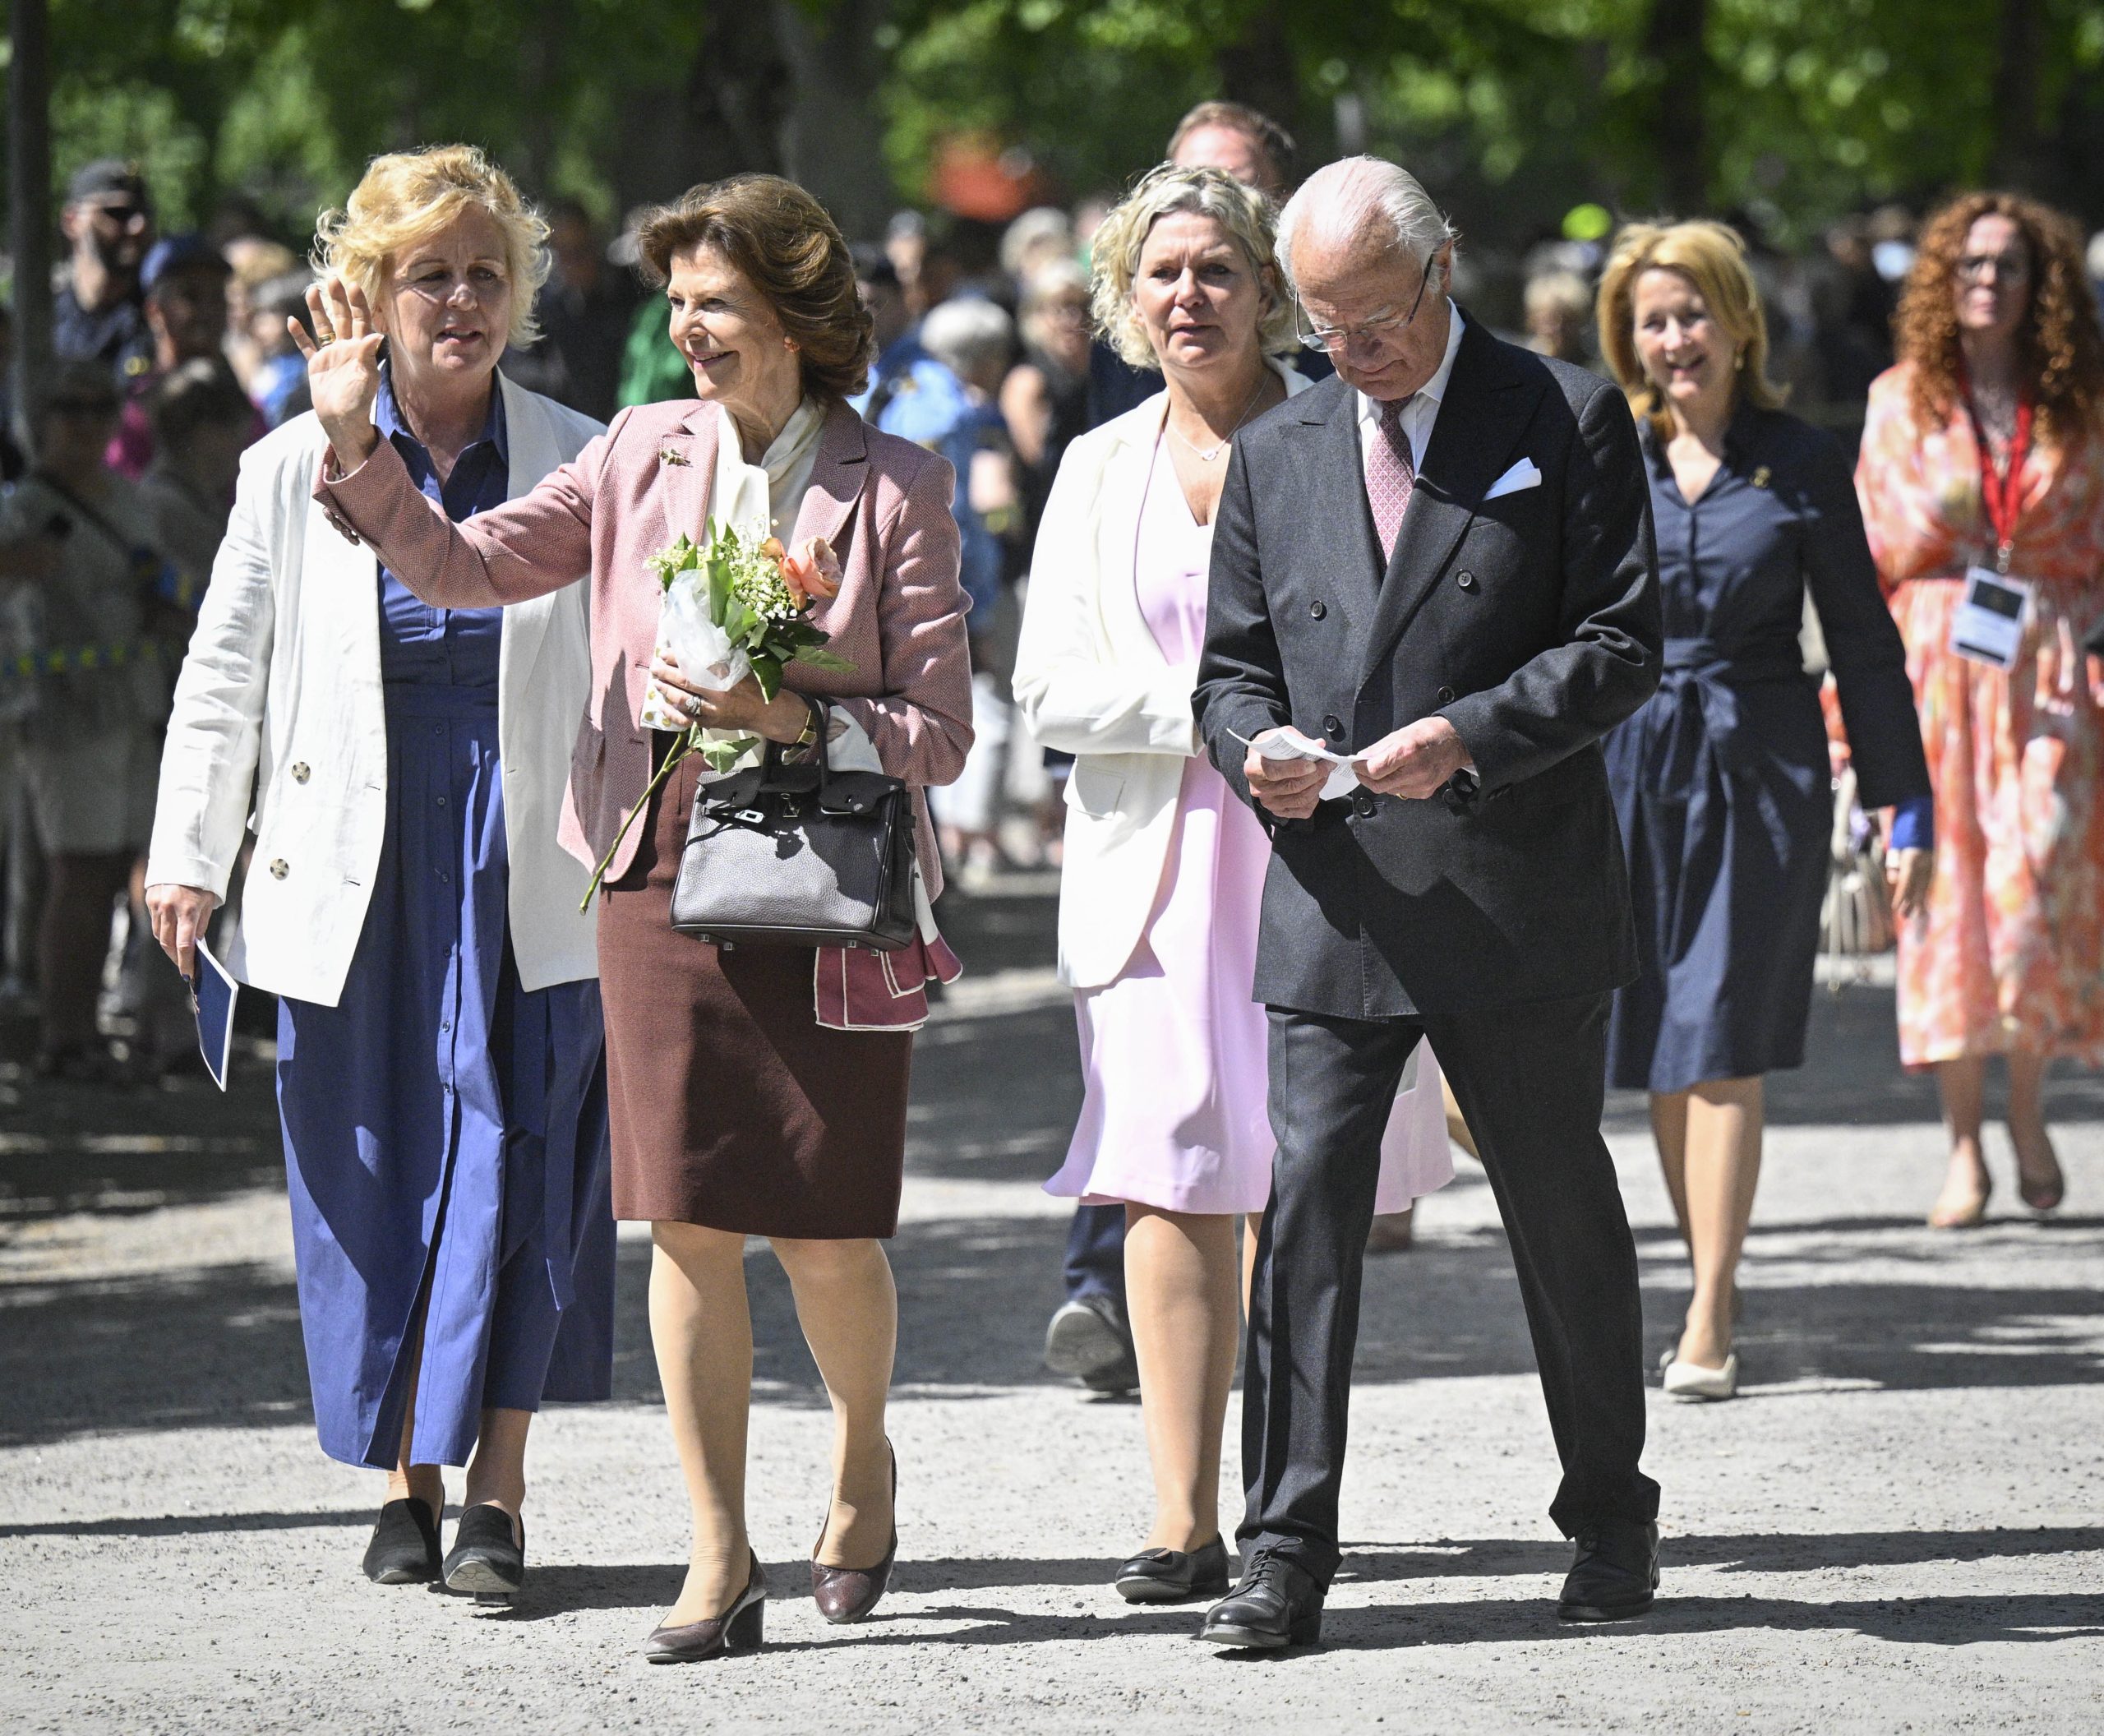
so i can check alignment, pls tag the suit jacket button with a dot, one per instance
(279, 870)
(1316, 609)
(1446, 695)
(1362, 805)
(300, 772)
(1332, 727)
(1467, 581)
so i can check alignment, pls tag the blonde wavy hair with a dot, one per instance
(1245, 214)
(409, 196)
(1712, 257)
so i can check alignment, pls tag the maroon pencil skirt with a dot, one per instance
(732, 1107)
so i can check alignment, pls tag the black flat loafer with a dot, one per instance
(404, 1547)
(1171, 1576)
(1614, 1574)
(487, 1557)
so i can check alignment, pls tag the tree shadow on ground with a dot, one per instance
(2042, 1617)
(191, 1525)
(1933, 1621)
(70, 1149)
(1748, 1553)
(221, 1347)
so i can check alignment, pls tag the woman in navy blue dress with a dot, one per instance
(1722, 781)
(440, 1078)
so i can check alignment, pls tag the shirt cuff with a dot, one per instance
(1913, 824)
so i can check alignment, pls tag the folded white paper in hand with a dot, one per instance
(701, 649)
(1283, 742)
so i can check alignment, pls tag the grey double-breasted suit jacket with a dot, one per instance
(1529, 621)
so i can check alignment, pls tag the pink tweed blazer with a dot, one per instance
(899, 618)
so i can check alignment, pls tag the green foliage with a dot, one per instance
(286, 99)
(1513, 109)
(1811, 106)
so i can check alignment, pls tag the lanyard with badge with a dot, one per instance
(1988, 623)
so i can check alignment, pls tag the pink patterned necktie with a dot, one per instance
(1390, 474)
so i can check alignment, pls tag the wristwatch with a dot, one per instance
(808, 739)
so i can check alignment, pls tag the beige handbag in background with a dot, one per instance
(1856, 918)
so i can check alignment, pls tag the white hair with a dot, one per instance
(968, 333)
(1042, 228)
(1364, 199)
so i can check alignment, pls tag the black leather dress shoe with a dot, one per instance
(1171, 1576)
(404, 1547)
(487, 1557)
(1277, 1605)
(1614, 1573)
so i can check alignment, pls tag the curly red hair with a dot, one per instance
(2062, 349)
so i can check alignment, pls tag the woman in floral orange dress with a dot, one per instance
(1983, 447)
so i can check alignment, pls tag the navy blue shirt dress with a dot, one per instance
(1722, 781)
(445, 1130)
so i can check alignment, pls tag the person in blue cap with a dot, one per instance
(185, 280)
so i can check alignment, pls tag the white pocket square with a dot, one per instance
(1521, 475)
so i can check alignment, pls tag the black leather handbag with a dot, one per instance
(799, 855)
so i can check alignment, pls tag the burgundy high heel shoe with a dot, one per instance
(846, 1595)
(739, 1628)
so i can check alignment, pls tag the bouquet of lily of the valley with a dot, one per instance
(738, 607)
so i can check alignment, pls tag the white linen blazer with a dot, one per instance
(280, 694)
(1091, 680)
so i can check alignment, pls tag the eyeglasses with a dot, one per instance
(1336, 339)
(2007, 267)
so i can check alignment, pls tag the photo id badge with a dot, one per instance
(1988, 624)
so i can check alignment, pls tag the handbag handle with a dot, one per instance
(773, 765)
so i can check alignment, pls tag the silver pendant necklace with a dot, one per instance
(1226, 440)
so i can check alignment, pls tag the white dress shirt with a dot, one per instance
(1422, 410)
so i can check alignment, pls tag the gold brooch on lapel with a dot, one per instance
(671, 456)
(1761, 476)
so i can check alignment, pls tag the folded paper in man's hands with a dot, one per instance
(1283, 742)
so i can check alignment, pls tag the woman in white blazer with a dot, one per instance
(440, 1071)
(1163, 866)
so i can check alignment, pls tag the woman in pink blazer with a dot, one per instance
(738, 1108)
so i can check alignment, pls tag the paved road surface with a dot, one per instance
(1900, 1527)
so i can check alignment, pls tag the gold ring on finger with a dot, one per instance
(323, 338)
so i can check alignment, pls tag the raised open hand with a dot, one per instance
(343, 367)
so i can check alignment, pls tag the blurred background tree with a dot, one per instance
(1789, 111)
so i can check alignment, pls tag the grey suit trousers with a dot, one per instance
(1529, 1080)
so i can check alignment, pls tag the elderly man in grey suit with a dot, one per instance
(1439, 567)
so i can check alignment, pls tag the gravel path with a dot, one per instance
(1900, 1527)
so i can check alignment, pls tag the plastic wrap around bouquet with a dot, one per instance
(738, 607)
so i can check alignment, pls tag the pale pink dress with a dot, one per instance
(1173, 1051)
